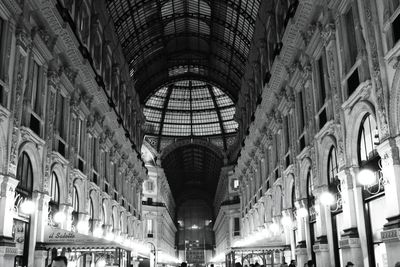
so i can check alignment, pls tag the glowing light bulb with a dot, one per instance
(27, 207)
(286, 220)
(59, 217)
(302, 212)
(274, 227)
(327, 198)
(98, 232)
(82, 226)
(366, 177)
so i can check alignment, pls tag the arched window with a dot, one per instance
(24, 174)
(75, 206)
(367, 139)
(75, 200)
(54, 190)
(103, 213)
(332, 165)
(91, 215)
(373, 194)
(311, 209)
(310, 185)
(113, 222)
(120, 223)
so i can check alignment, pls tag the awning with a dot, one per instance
(60, 238)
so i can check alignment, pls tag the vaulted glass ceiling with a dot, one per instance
(190, 108)
(166, 40)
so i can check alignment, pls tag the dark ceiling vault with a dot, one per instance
(165, 39)
(192, 166)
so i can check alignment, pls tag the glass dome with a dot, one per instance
(190, 108)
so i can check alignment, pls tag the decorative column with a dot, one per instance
(8, 251)
(290, 246)
(389, 152)
(350, 240)
(38, 222)
(301, 247)
(321, 247)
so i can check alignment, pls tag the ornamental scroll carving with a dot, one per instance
(376, 73)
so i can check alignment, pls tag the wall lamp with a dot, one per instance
(373, 181)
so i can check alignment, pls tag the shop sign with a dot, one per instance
(55, 235)
(391, 234)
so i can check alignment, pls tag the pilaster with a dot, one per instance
(7, 194)
(389, 152)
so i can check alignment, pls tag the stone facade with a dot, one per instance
(330, 86)
(69, 115)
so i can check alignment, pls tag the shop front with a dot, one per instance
(266, 256)
(88, 251)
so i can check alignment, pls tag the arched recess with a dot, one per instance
(175, 145)
(287, 195)
(327, 143)
(80, 188)
(30, 149)
(356, 117)
(123, 223)
(268, 208)
(261, 212)
(305, 166)
(115, 218)
(246, 226)
(94, 197)
(277, 207)
(62, 181)
(256, 220)
(107, 211)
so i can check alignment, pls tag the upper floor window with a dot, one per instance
(3, 67)
(60, 116)
(105, 165)
(236, 226)
(301, 110)
(320, 82)
(332, 165)
(97, 52)
(24, 174)
(149, 227)
(235, 184)
(83, 23)
(350, 37)
(94, 154)
(80, 138)
(367, 139)
(150, 186)
(36, 93)
(391, 21)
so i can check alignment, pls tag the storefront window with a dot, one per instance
(311, 210)
(336, 210)
(373, 195)
(21, 221)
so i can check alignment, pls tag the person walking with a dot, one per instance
(59, 261)
(292, 263)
